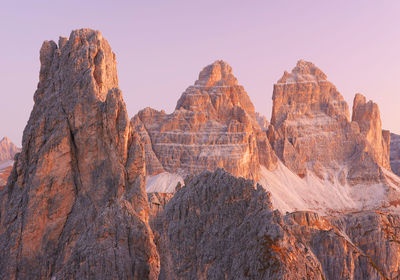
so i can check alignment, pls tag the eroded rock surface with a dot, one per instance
(214, 125)
(75, 205)
(221, 227)
(311, 129)
(7, 150)
(395, 153)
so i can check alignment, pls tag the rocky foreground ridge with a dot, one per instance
(75, 205)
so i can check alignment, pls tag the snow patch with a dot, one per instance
(164, 182)
(291, 193)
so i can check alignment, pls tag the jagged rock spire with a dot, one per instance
(75, 205)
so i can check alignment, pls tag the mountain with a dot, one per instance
(7, 149)
(214, 125)
(395, 153)
(309, 195)
(75, 205)
(343, 162)
(328, 161)
(220, 227)
(7, 152)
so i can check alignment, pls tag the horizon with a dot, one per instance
(161, 49)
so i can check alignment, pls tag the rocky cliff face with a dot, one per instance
(395, 153)
(75, 204)
(311, 129)
(221, 227)
(214, 125)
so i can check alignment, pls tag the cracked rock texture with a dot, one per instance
(395, 153)
(221, 227)
(311, 129)
(75, 205)
(214, 125)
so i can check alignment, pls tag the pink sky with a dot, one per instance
(162, 45)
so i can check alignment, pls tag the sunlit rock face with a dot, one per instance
(75, 205)
(7, 150)
(395, 153)
(311, 129)
(368, 118)
(214, 125)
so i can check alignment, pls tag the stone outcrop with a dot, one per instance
(311, 129)
(221, 227)
(395, 153)
(368, 118)
(75, 206)
(214, 125)
(7, 150)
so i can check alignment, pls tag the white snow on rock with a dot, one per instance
(164, 182)
(291, 193)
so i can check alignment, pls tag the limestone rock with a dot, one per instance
(262, 121)
(360, 245)
(75, 206)
(7, 150)
(368, 118)
(214, 125)
(221, 227)
(312, 130)
(395, 153)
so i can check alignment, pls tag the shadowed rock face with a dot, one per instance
(395, 153)
(311, 129)
(214, 125)
(221, 227)
(75, 205)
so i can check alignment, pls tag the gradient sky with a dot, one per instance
(162, 45)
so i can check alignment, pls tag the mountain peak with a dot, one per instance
(304, 71)
(218, 73)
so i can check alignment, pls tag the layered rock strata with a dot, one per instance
(75, 206)
(214, 125)
(311, 129)
(395, 153)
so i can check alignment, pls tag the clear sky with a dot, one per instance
(162, 45)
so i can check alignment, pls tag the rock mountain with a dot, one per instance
(75, 206)
(7, 152)
(395, 153)
(214, 125)
(309, 195)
